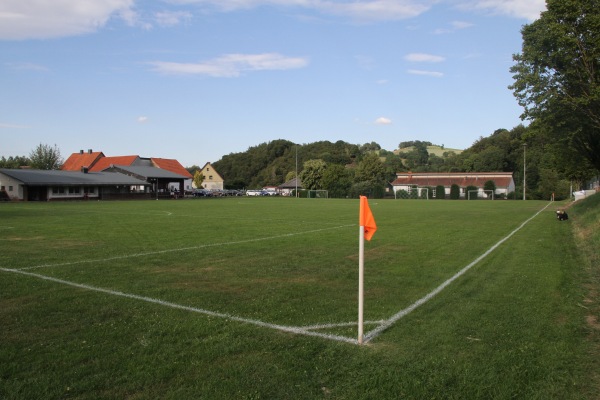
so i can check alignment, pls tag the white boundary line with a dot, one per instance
(284, 328)
(307, 330)
(396, 317)
(149, 253)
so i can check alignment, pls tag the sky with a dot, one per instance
(195, 80)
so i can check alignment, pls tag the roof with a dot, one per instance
(171, 165)
(76, 161)
(462, 179)
(147, 172)
(106, 162)
(37, 177)
(291, 184)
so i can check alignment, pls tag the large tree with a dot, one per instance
(557, 74)
(312, 174)
(45, 156)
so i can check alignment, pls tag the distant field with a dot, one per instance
(257, 298)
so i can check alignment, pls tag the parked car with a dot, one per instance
(202, 193)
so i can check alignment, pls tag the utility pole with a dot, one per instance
(524, 169)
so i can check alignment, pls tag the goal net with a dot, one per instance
(313, 194)
(480, 194)
(413, 193)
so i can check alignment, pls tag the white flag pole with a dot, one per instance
(361, 281)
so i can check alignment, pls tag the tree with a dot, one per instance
(337, 180)
(440, 192)
(454, 192)
(312, 174)
(557, 74)
(198, 179)
(45, 157)
(370, 169)
(13, 162)
(490, 185)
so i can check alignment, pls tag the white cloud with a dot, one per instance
(374, 10)
(168, 18)
(142, 119)
(34, 19)
(526, 9)
(422, 57)
(365, 10)
(231, 65)
(434, 74)
(383, 121)
(461, 24)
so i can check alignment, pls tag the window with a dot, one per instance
(10, 188)
(73, 190)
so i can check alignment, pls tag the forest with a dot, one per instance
(346, 169)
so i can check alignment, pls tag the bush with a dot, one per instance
(454, 192)
(440, 192)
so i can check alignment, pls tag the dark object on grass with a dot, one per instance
(561, 215)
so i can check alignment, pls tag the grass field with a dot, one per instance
(257, 298)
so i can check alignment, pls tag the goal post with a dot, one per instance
(313, 194)
(474, 194)
(417, 193)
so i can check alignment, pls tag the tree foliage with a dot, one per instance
(370, 169)
(557, 75)
(46, 157)
(271, 163)
(312, 174)
(13, 162)
(198, 179)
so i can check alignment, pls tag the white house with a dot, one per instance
(504, 181)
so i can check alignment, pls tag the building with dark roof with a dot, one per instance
(46, 185)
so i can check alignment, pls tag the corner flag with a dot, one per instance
(367, 228)
(366, 218)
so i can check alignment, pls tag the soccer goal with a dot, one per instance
(313, 194)
(412, 193)
(486, 194)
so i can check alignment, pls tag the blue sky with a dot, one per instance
(198, 79)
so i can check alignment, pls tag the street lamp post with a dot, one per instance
(524, 169)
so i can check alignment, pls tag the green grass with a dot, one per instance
(511, 327)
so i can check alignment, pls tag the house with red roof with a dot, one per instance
(81, 160)
(407, 181)
(163, 174)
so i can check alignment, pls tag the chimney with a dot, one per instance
(80, 151)
(84, 170)
(89, 151)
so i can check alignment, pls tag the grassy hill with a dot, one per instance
(437, 150)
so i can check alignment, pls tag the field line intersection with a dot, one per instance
(313, 330)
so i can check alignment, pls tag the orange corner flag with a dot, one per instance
(366, 218)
